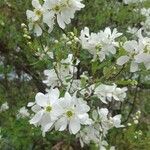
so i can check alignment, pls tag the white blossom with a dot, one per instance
(4, 107)
(51, 78)
(132, 30)
(136, 52)
(109, 92)
(64, 10)
(88, 134)
(74, 114)
(23, 112)
(35, 16)
(46, 109)
(100, 44)
(108, 122)
(63, 71)
(132, 1)
(97, 131)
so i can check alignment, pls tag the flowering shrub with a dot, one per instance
(88, 76)
(69, 100)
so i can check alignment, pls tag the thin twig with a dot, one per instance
(134, 100)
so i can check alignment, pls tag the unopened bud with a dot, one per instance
(56, 41)
(69, 43)
(28, 37)
(136, 121)
(29, 43)
(23, 25)
(72, 34)
(76, 39)
(129, 124)
(25, 35)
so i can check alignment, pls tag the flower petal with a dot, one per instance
(41, 99)
(61, 124)
(53, 95)
(36, 4)
(74, 126)
(122, 60)
(37, 117)
(60, 21)
(37, 30)
(134, 67)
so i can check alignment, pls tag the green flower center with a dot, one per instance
(48, 108)
(38, 13)
(69, 114)
(57, 8)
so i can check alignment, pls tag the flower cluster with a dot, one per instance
(146, 24)
(110, 92)
(51, 110)
(62, 72)
(102, 122)
(100, 44)
(72, 90)
(137, 52)
(61, 10)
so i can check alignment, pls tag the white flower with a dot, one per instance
(103, 145)
(23, 112)
(74, 114)
(132, 48)
(100, 44)
(108, 92)
(74, 86)
(4, 107)
(108, 43)
(47, 109)
(64, 10)
(89, 134)
(39, 16)
(68, 66)
(108, 122)
(96, 132)
(137, 52)
(65, 70)
(92, 134)
(116, 120)
(89, 41)
(132, 1)
(132, 30)
(145, 12)
(88, 91)
(52, 79)
(143, 58)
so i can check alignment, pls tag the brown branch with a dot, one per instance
(21, 63)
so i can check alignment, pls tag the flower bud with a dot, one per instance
(23, 25)
(29, 43)
(136, 121)
(76, 39)
(129, 124)
(56, 41)
(28, 37)
(25, 35)
(69, 43)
